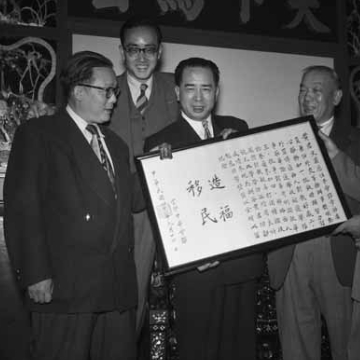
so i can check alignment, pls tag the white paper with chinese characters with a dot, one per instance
(229, 195)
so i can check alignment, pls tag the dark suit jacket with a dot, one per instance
(181, 134)
(62, 220)
(132, 126)
(342, 246)
(348, 174)
(213, 303)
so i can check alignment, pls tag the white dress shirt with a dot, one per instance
(134, 86)
(198, 126)
(326, 126)
(82, 124)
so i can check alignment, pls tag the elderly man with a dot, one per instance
(314, 278)
(215, 306)
(348, 174)
(68, 196)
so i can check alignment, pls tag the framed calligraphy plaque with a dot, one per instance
(271, 186)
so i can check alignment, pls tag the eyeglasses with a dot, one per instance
(148, 51)
(109, 91)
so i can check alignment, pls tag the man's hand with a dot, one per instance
(357, 243)
(165, 151)
(331, 147)
(208, 266)
(352, 227)
(39, 108)
(41, 292)
(226, 132)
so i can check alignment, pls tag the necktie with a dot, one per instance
(206, 129)
(142, 101)
(100, 152)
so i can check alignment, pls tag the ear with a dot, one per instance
(337, 97)
(122, 54)
(78, 92)
(177, 92)
(217, 92)
(159, 51)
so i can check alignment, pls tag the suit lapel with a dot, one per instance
(119, 163)
(84, 159)
(186, 132)
(216, 128)
(122, 181)
(118, 122)
(340, 134)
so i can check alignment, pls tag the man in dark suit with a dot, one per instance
(134, 120)
(348, 174)
(215, 306)
(314, 278)
(68, 226)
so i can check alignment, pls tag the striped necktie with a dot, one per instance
(206, 129)
(142, 101)
(100, 152)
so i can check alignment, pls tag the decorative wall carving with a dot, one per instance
(27, 67)
(28, 12)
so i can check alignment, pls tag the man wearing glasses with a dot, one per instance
(146, 104)
(68, 195)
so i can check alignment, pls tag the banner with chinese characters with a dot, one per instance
(271, 186)
(314, 20)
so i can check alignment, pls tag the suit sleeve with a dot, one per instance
(24, 191)
(348, 174)
(238, 124)
(151, 142)
(138, 203)
(231, 122)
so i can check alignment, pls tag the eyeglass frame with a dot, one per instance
(149, 51)
(109, 91)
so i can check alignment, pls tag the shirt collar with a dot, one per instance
(327, 126)
(134, 85)
(80, 122)
(197, 125)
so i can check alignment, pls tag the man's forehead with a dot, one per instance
(140, 35)
(198, 74)
(317, 77)
(103, 75)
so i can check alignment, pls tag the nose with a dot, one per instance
(112, 98)
(308, 94)
(141, 54)
(198, 94)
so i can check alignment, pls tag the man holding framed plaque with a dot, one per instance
(215, 309)
(314, 278)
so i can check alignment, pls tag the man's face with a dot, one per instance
(197, 92)
(318, 96)
(93, 104)
(141, 65)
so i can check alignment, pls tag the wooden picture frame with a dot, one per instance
(219, 199)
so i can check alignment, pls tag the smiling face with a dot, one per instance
(197, 92)
(92, 104)
(141, 66)
(318, 96)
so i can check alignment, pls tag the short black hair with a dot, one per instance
(136, 22)
(196, 62)
(326, 70)
(79, 69)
